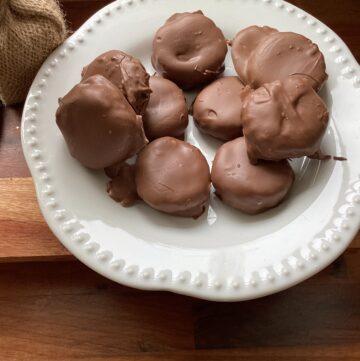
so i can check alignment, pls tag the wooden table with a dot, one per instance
(54, 308)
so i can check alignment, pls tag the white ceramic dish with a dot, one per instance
(224, 255)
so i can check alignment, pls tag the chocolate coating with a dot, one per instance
(189, 49)
(124, 71)
(166, 113)
(113, 170)
(250, 188)
(284, 119)
(173, 176)
(99, 126)
(217, 108)
(122, 188)
(263, 54)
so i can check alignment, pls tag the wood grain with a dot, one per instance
(330, 353)
(85, 314)
(74, 313)
(356, 241)
(24, 235)
(12, 161)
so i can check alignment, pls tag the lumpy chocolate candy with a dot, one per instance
(284, 119)
(263, 55)
(122, 188)
(166, 113)
(217, 108)
(124, 71)
(99, 126)
(189, 49)
(250, 188)
(173, 176)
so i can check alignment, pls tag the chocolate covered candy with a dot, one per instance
(263, 55)
(173, 176)
(284, 119)
(217, 108)
(122, 188)
(189, 49)
(99, 126)
(166, 113)
(124, 71)
(250, 188)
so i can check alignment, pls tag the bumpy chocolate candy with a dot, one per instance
(99, 126)
(284, 119)
(122, 188)
(124, 71)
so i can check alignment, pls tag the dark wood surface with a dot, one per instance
(65, 310)
(61, 310)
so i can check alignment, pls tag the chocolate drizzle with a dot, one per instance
(320, 156)
(340, 159)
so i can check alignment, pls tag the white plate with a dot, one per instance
(224, 255)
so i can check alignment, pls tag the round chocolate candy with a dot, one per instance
(217, 108)
(166, 113)
(189, 49)
(173, 176)
(250, 188)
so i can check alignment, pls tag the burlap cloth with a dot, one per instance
(29, 31)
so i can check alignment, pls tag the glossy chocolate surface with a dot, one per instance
(247, 187)
(99, 126)
(173, 176)
(122, 188)
(284, 119)
(189, 49)
(124, 71)
(263, 54)
(217, 108)
(167, 112)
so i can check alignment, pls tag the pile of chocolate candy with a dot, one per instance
(269, 113)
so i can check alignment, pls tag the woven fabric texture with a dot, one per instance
(29, 31)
